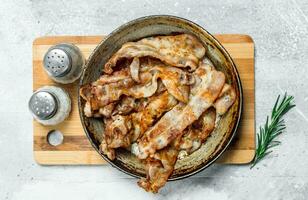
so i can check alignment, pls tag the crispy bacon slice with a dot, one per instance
(106, 90)
(117, 131)
(175, 80)
(225, 100)
(117, 76)
(134, 69)
(125, 106)
(160, 167)
(121, 130)
(117, 134)
(199, 131)
(109, 152)
(180, 50)
(144, 119)
(106, 111)
(99, 96)
(173, 123)
(109, 88)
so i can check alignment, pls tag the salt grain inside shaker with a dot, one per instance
(64, 63)
(50, 105)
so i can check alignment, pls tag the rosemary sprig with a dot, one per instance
(272, 128)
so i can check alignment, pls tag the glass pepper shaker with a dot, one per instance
(64, 63)
(50, 105)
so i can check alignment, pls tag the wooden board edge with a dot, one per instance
(50, 40)
(68, 158)
(93, 158)
(241, 38)
(226, 159)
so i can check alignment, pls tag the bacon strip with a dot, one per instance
(180, 50)
(125, 106)
(199, 131)
(173, 123)
(134, 69)
(122, 130)
(175, 80)
(225, 100)
(99, 96)
(109, 89)
(144, 119)
(160, 167)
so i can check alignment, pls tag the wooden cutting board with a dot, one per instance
(77, 150)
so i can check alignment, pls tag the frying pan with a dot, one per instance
(134, 30)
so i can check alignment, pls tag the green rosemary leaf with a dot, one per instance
(273, 127)
(275, 106)
(273, 145)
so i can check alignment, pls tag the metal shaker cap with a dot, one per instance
(57, 62)
(43, 105)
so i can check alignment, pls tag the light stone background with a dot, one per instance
(280, 33)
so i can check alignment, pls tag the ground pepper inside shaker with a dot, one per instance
(50, 105)
(64, 63)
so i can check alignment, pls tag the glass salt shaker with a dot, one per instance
(50, 105)
(64, 63)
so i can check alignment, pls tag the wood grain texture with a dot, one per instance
(77, 150)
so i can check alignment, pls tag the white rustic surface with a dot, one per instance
(280, 32)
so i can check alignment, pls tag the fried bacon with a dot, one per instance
(180, 50)
(160, 167)
(158, 97)
(199, 131)
(117, 76)
(173, 123)
(99, 95)
(109, 89)
(134, 69)
(175, 80)
(225, 99)
(144, 119)
(117, 131)
(121, 130)
(125, 106)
